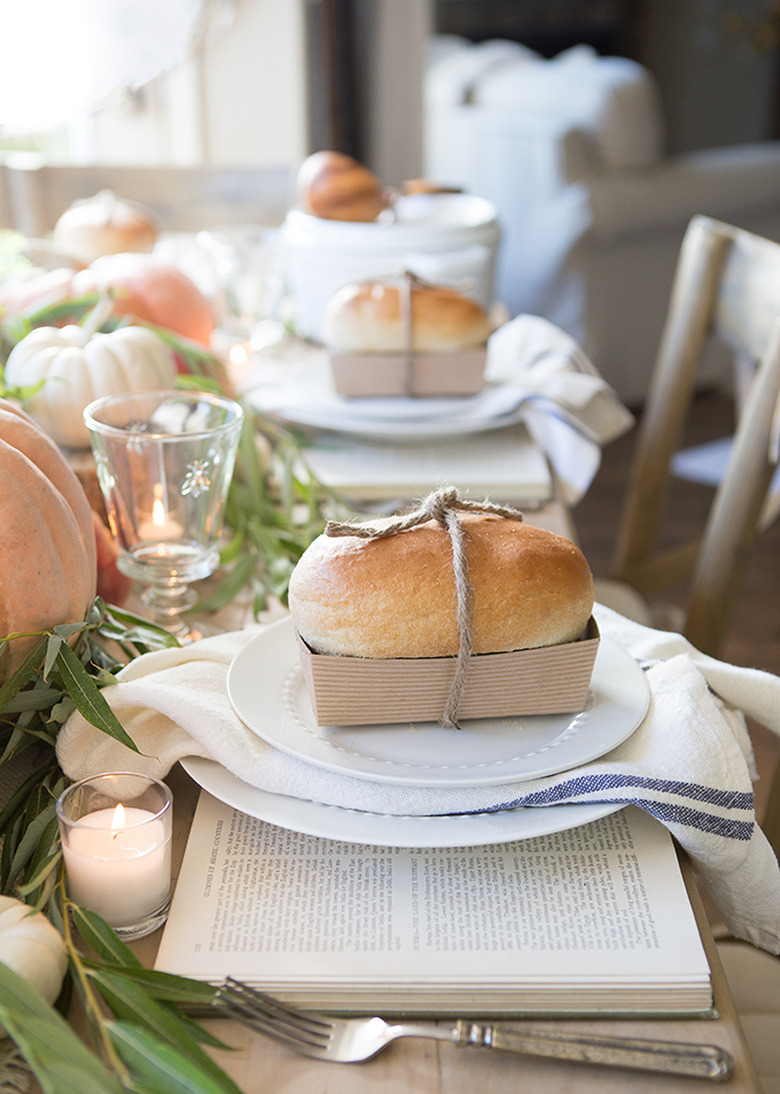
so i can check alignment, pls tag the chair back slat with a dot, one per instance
(727, 285)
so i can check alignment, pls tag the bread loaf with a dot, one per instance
(368, 317)
(335, 186)
(396, 597)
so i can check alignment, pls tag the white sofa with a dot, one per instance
(572, 152)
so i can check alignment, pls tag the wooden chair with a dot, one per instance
(727, 286)
(184, 198)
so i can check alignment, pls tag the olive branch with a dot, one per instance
(144, 1041)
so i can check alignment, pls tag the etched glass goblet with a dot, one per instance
(164, 463)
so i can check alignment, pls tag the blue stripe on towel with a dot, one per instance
(601, 787)
(589, 784)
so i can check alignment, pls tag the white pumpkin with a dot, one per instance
(32, 947)
(79, 366)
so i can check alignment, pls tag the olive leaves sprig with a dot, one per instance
(145, 1042)
(64, 669)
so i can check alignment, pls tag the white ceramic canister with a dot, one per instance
(449, 239)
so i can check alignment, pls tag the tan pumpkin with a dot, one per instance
(32, 947)
(79, 366)
(105, 224)
(48, 564)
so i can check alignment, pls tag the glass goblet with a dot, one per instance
(164, 463)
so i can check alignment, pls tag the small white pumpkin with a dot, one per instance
(79, 366)
(32, 947)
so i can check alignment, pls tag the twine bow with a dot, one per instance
(441, 505)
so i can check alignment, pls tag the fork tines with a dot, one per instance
(273, 1018)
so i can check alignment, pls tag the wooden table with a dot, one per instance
(430, 1067)
(415, 1066)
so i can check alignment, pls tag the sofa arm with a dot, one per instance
(726, 183)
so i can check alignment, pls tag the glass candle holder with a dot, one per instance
(164, 463)
(116, 843)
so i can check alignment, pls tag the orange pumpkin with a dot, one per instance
(48, 566)
(150, 290)
(144, 288)
(113, 585)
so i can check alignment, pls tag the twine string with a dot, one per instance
(442, 506)
(405, 301)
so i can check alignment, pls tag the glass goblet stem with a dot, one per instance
(168, 601)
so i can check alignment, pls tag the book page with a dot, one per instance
(602, 905)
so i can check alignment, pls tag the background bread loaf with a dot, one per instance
(366, 317)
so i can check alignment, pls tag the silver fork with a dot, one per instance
(347, 1040)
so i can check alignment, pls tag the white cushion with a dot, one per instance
(629, 122)
(730, 184)
(613, 99)
(451, 74)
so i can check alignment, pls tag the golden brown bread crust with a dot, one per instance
(335, 186)
(366, 317)
(395, 597)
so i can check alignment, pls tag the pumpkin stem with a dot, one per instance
(94, 319)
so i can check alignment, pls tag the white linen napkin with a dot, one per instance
(688, 763)
(535, 372)
(569, 409)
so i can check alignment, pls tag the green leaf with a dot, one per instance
(131, 1003)
(53, 647)
(101, 939)
(39, 699)
(168, 987)
(23, 673)
(28, 843)
(163, 1068)
(88, 698)
(21, 796)
(229, 587)
(59, 1060)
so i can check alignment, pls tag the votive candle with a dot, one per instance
(116, 844)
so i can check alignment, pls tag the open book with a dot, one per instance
(584, 921)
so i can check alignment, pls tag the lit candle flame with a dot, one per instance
(118, 819)
(238, 354)
(159, 516)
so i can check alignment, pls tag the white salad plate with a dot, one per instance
(383, 829)
(267, 690)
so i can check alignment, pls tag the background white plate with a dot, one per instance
(268, 692)
(383, 829)
(303, 394)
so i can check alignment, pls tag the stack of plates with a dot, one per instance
(267, 691)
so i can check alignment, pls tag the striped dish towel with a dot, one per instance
(689, 763)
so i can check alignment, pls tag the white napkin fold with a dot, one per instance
(569, 409)
(536, 374)
(688, 763)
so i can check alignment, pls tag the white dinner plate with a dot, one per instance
(268, 692)
(383, 829)
(303, 394)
